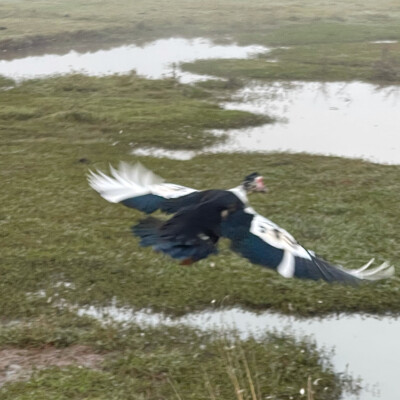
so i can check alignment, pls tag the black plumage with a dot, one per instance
(193, 232)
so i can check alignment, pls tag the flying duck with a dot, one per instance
(201, 218)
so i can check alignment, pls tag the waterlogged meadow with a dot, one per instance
(65, 249)
(62, 246)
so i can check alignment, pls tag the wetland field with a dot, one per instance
(203, 93)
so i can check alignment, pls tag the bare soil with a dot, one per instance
(18, 364)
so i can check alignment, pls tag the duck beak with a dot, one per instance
(260, 187)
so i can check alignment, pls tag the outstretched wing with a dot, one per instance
(262, 242)
(137, 187)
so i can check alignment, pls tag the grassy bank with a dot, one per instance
(84, 21)
(172, 363)
(369, 62)
(123, 110)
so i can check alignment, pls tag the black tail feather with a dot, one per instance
(152, 232)
(148, 231)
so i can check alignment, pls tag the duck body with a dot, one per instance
(194, 230)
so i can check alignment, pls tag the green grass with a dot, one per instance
(55, 229)
(370, 62)
(327, 32)
(174, 362)
(58, 229)
(78, 22)
(122, 109)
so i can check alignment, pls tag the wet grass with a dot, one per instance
(56, 229)
(150, 363)
(190, 367)
(62, 244)
(369, 62)
(121, 109)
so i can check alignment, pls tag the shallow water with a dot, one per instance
(355, 120)
(164, 153)
(154, 60)
(365, 346)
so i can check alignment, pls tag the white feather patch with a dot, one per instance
(132, 181)
(275, 236)
(240, 193)
(383, 271)
(287, 266)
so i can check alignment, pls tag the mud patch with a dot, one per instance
(18, 364)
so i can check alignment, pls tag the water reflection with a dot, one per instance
(355, 120)
(365, 346)
(153, 60)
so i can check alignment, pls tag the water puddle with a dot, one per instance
(164, 153)
(365, 346)
(385, 41)
(354, 120)
(154, 60)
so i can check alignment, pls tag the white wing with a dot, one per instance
(135, 186)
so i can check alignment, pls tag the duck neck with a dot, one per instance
(241, 193)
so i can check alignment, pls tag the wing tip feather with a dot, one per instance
(383, 271)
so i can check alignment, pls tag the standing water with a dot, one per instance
(355, 120)
(365, 346)
(155, 60)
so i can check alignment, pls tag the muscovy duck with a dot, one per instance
(200, 218)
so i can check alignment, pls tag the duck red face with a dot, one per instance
(254, 183)
(259, 184)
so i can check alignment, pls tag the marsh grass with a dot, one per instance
(122, 109)
(387, 68)
(179, 363)
(370, 62)
(63, 245)
(77, 22)
(56, 229)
